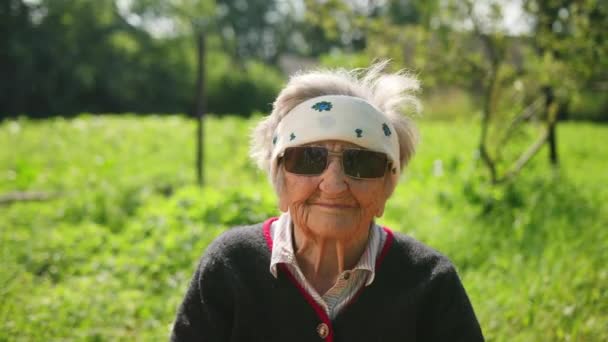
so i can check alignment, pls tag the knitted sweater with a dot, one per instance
(416, 296)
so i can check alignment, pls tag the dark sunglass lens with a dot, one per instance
(364, 164)
(305, 160)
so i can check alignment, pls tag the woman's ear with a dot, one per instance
(380, 211)
(390, 182)
(283, 205)
(279, 186)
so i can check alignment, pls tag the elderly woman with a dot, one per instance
(334, 147)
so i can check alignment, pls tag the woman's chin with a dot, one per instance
(333, 226)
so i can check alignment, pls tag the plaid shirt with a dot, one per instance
(348, 283)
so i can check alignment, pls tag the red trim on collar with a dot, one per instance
(311, 301)
(387, 245)
(266, 227)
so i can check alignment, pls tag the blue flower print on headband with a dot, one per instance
(387, 131)
(321, 106)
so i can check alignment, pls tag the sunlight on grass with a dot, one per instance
(110, 255)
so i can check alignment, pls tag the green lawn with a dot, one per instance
(109, 256)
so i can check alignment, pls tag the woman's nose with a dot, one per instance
(333, 179)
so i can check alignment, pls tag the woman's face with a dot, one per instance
(333, 205)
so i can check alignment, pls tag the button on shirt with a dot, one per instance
(348, 283)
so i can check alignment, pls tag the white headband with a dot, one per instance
(337, 117)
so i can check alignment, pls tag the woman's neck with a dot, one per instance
(323, 259)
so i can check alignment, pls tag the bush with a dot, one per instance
(240, 89)
(589, 106)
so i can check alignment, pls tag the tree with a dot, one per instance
(570, 46)
(466, 43)
(194, 16)
(65, 57)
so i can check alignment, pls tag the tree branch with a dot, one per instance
(527, 113)
(28, 196)
(526, 157)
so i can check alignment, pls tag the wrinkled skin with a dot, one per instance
(332, 214)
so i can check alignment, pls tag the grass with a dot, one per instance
(109, 257)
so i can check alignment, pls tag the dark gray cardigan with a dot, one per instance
(416, 296)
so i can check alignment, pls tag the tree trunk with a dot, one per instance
(488, 110)
(552, 140)
(551, 112)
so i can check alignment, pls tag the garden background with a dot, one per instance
(102, 218)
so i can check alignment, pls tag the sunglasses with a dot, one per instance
(313, 160)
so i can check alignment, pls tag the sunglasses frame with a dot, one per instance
(388, 163)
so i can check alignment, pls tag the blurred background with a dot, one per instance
(64, 57)
(124, 131)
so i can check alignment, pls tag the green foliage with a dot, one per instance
(236, 89)
(144, 54)
(572, 33)
(51, 67)
(340, 59)
(589, 105)
(464, 44)
(109, 258)
(449, 104)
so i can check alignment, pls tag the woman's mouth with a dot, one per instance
(334, 205)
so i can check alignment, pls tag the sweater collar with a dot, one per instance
(281, 233)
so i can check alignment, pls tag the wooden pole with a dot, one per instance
(551, 113)
(200, 107)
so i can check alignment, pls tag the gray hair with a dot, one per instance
(392, 93)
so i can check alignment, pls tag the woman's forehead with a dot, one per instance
(334, 145)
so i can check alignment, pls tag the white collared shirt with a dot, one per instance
(349, 282)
